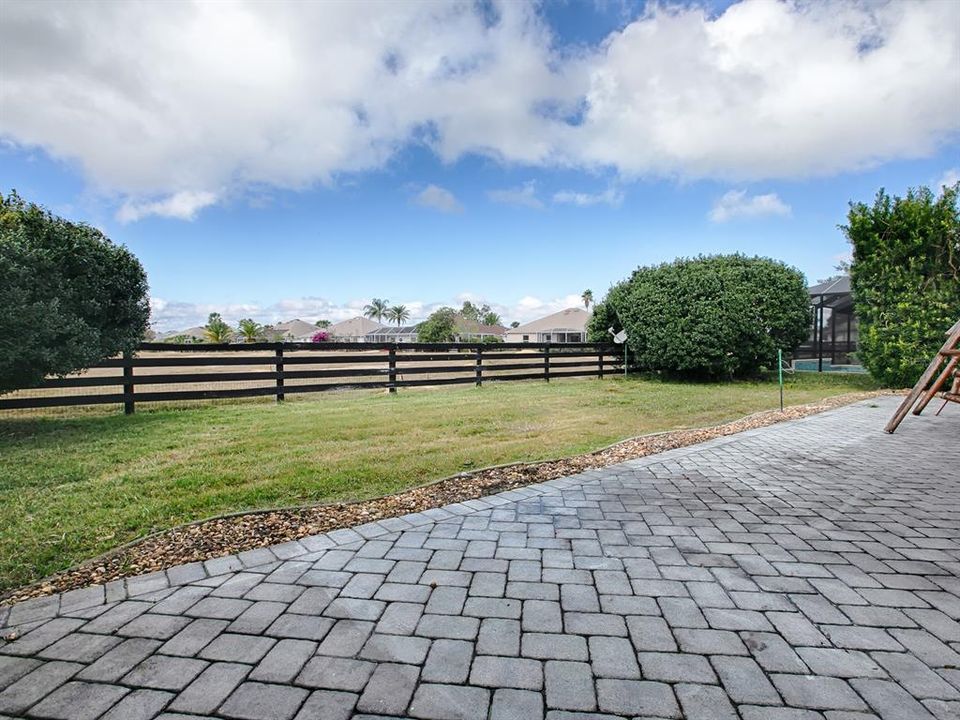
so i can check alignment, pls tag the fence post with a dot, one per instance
(279, 362)
(479, 366)
(546, 363)
(600, 363)
(128, 402)
(392, 367)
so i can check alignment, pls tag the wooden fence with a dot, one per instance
(163, 372)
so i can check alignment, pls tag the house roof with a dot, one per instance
(472, 327)
(296, 328)
(354, 327)
(394, 331)
(834, 286)
(569, 320)
(197, 331)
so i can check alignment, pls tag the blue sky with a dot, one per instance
(512, 154)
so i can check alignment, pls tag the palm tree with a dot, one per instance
(376, 310)
(398, 314)
(587, 298)
(216, 330)
(250, 330)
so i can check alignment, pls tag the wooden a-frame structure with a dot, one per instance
(944, 366)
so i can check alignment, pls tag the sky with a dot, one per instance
(296, 159)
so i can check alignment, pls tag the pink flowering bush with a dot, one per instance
(321, 336)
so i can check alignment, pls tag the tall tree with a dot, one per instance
(490, 318)
(905, 277)
(69, 297)
(398, 314)
(440, 327)
(469, 311)
(323, 323)
(250, 331)
(377, 309)
(587, 298)
(216, 330)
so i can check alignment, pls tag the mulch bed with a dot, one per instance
(235, 533)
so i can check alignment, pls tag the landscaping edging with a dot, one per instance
(247, 530)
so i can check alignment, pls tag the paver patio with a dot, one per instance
(805, 570)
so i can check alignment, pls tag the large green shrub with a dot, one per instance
(68, 296)
(905, 276)
(708, 317)
(440, 327)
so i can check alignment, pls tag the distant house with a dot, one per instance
(566, 326)
(473, 331)
(296, 330)
(194, 334)
(835, 331)
(353, 330)
(406, 334)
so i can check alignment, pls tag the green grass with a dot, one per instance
(75, 485)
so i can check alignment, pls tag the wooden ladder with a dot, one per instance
(934, 379)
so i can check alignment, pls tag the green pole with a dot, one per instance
(780, 373)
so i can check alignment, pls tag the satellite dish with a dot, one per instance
(620, 337)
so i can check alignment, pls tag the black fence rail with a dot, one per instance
(163, 372)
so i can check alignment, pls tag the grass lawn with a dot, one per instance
(75, 485)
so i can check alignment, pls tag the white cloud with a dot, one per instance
(156, 99)
(611, 196)
(950, 178)
(523, 196)
(183, 205)
(438, 198)
(737, 204)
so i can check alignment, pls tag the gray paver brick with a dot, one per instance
(79, 647)
(497, 672)
(257, 701)
(284, 661)
(613, 657)
(389, 689)
(163, 672)
(396, 649)
(745, 682)
(31, 687)
(569, 685)
(346, 638)
(304, 627)
(637, 697)
(554, 647)
(327, 705)
(79, 701)
(210, 688)
(448, 661)
(499, 637)
(194, 637)
(334, 673)
(817, 693)
(139, 705)
(450, 702)
(510, 704)
(890, 700)
(448, 626)
(113, 665)
(14, 668)
(230, 647)
(704, 702)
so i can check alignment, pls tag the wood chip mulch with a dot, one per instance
(235, 533)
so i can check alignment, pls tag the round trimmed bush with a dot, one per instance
(68, 296)
(710, 317)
